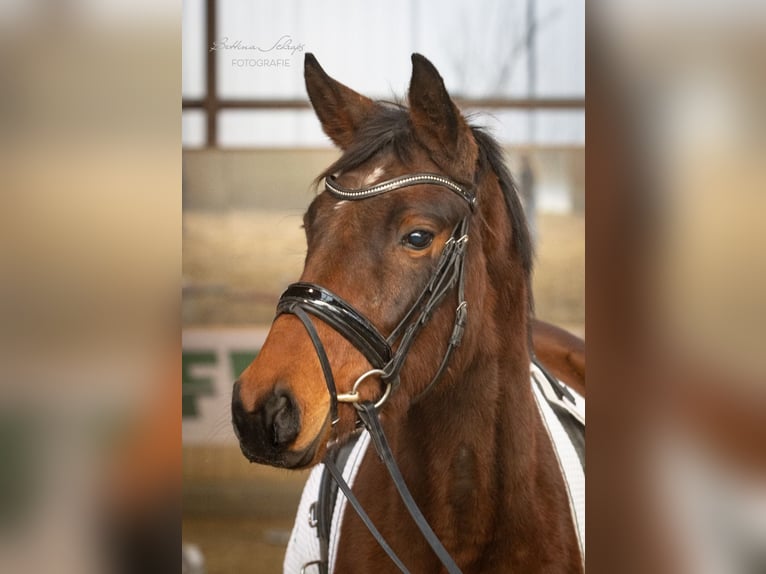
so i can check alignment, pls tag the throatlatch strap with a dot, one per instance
(369, 416)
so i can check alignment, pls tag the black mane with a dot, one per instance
(491, 155)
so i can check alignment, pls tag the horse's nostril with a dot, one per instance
(270, 428)
(282, 418)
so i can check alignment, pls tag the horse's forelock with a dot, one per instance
(386, 131)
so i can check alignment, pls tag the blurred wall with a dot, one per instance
(267, 179)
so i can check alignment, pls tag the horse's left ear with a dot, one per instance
(437, 122)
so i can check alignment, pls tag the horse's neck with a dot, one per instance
(477, 459)
(478, 433)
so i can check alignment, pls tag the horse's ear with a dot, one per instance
(437, 122)
(340, 109)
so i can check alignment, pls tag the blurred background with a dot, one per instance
(251, 148)
(93, 174)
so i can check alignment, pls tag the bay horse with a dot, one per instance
(412, 318)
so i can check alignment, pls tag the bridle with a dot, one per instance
(387, 355)
(303, 298)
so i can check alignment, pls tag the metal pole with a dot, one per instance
(211, 97)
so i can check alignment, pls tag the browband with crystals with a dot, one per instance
(337, 190)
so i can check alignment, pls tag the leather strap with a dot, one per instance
(354, 501)
(448, 272)
(341, 316)
(369, 416)
(443, 266)
(323, 360)
(333, 187)
(561, 401)
(328, 496)
(558, 387)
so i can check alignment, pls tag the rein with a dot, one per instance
(303, 299)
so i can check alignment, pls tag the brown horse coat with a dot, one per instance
(476, 452)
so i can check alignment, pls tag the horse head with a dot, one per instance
(376, 257)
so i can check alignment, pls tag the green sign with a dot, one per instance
(195, 386)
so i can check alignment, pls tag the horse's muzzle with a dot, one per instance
(266, 433)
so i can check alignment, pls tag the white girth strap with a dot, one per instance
(569, 462)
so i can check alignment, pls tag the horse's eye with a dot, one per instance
(418, 239)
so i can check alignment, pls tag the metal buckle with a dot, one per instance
(353, 396)
(313, 520)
